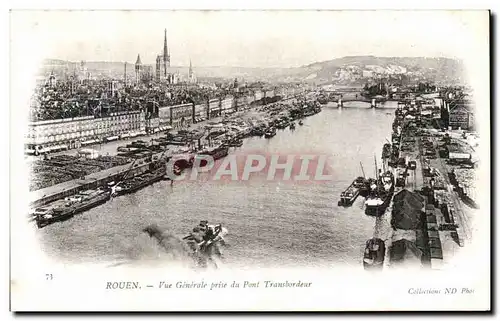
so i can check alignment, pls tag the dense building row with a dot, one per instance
(78, 94)
(61, 134)
(99, 98)
(52, 135)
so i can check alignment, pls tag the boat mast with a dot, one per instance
(126, 173)
(362, 170)
(376, 168)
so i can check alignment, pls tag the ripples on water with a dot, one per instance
(271, 224)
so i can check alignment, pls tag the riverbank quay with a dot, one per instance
(53, 135)
(430, 220)
(109, 147)
(139, 162)
(93, 180)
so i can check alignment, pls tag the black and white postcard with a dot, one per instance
(250, 160)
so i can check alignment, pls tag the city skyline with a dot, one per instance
(251, 37)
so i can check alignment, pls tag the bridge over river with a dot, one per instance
(353, 96)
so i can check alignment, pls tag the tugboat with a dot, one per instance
(204, 243)
(374, 255)
(271, 132)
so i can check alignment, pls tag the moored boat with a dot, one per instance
(364, 189)
(138, 182)
(348, 196)
(271, 132)
(380, 194)
(359, 182)
(234, 143)
(65, 209)
(386, 151)
(258, 131)
(216, 153)
(374, 254)
(282, 124)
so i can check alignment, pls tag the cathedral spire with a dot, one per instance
(165, 46)
(125, 73)
(166, 56)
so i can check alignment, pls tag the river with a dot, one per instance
(270, 224)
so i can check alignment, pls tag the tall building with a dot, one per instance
(138, 69)
(125, 74)
(163, 63)
(191, 75)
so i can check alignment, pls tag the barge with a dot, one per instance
(64, 209)
(348, 196)
(216, 153)
(138, 182)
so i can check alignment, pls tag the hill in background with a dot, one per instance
(351, 70)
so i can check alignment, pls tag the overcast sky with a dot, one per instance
(244, 38)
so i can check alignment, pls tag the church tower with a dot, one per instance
(163, 63)
(125, 74)
(138, 69)
(190, 74)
